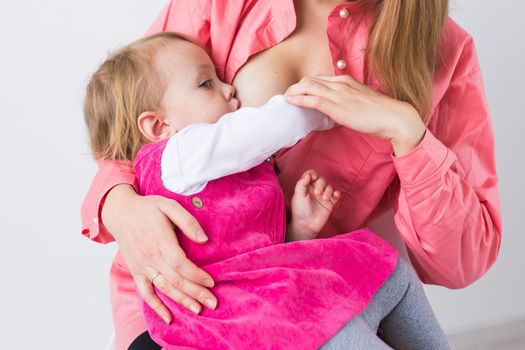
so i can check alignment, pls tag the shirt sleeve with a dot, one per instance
(448, 208)
(187, 17)
(110, 174)
(237, 142)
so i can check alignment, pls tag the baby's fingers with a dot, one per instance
(319, 186)
(335, 197)
(302, 184)
(328, 192)
(312, 174)
(301, 187)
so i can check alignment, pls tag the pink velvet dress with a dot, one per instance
(271, 294)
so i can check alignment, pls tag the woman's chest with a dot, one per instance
(305, 52)
(266, 57)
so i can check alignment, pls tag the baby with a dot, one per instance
(159, 102)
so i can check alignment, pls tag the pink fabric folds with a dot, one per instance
(272, 295)
(444, 194)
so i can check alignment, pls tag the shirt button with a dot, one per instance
(95, 220)
(343, 13)
(341, 64)
(197, 202)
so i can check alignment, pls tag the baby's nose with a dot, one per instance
(229, 91)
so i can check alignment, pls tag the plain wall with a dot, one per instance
(497, 28)
(55, 282)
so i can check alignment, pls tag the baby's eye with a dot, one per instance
(206, 84)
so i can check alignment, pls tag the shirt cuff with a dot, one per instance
(428, 159)
(110, 174)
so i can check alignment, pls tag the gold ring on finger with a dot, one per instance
(155, 275)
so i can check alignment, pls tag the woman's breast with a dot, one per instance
(359, 166)
(273, 70)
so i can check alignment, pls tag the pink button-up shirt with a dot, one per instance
(443, 193)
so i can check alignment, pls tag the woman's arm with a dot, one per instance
(109, 175)
(448, 210)
(142, 226)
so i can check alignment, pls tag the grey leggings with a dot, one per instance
(400, 308)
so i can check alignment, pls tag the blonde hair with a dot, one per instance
(403, 46)
(124, 86)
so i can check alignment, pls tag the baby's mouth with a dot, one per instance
(236, 104)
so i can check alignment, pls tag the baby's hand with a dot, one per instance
(312, 204)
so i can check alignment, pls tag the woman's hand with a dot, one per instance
(358, 107)
(143, 229)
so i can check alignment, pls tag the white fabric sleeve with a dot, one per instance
(237, 142)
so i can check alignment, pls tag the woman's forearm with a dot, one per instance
(122, 193)
(449, 219)
(110, 175)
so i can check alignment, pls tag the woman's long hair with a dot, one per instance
(403, 45)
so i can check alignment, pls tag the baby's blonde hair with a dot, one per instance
(126, 85)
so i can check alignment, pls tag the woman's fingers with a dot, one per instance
(310, 93)
(174, 255)
(178, 296)
(189, 279)
(316, 102)
(149, 246)
(348, 103)
(177, 277)
(181, 218)
(177, 261)
(336, 78)
(182, 291)
(311, 86)
(147, 293)
(340, 79)
(330, 87)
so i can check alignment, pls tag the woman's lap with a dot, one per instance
(399, 307)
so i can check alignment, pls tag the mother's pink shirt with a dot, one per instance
(444, 192)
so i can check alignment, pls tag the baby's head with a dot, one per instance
(150, 90)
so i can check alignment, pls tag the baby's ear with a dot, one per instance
(153, 126)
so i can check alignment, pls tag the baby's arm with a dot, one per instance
(312, 204)
(237, 142)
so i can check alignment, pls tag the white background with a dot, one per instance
(54, 282)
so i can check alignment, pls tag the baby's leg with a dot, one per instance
(401, 307)
(356, 334)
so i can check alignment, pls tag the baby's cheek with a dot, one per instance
(220, 111)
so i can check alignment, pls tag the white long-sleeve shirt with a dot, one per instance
(237, 142)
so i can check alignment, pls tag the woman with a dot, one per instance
(427, 151)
